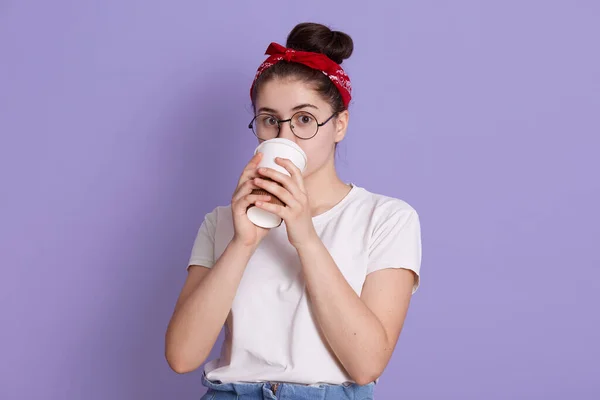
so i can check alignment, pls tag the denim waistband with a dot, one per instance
(264, 390)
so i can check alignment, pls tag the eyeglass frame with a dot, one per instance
(280, 121)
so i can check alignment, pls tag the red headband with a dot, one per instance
(317, 61)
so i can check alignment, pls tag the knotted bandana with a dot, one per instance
(316, 61)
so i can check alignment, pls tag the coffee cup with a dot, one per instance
(271, 149)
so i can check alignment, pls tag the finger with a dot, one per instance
(294, 171)
(283, 179)
(242, 205)
(247, 175)
(276, 209)
(253, 163)
(275, 189)
(245, 189)
(250, 168)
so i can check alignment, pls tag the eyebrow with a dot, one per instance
(298, 107)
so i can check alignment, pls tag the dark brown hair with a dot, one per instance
(316, 38)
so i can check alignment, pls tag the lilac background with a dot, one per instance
(123, 122)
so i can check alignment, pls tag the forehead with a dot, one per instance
(284, 94)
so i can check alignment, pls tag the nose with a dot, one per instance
(285, 131)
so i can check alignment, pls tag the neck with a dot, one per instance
(325, 189)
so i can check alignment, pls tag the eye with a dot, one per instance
(305, 119)
(268, 120)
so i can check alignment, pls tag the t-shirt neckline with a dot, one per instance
(333, 210)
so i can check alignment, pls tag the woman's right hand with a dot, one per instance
(245, 232)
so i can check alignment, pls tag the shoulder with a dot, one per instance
(219, 216)
(219, 213)
(382, 207)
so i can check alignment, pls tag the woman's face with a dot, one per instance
(284, 97)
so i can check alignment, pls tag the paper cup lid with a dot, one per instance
(286, 142)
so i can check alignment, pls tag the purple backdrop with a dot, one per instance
(123, 122)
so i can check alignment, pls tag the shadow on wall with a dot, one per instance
(124, 348)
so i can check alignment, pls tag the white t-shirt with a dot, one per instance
(270, 333)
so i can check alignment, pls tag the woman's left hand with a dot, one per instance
(296, 212)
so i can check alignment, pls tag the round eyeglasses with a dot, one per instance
(303, 124)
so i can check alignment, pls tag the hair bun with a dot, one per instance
(318, 38)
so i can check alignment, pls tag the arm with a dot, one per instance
(362, 331)
(203, 307)
(206, 298)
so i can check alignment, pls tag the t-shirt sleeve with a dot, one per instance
(396, 243)
(203, 251)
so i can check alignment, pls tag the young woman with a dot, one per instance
(313, 308)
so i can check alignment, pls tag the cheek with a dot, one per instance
(318, 153)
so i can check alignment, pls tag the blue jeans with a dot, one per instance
(285, 391)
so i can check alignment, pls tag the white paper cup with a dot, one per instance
(282, 148)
